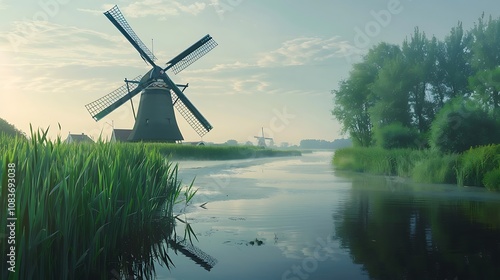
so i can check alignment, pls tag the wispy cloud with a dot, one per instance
(161, 8)
(305, 50)
(48, 44)
(300, 51)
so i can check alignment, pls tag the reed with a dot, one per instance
(437, 168)
(77, 203)
(479, 166)
(475, 163)
(218, 152)
(378, 161)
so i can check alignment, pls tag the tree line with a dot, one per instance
(425, 92)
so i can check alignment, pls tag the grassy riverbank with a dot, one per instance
(476, 167)
(77, 204)
(218, 152)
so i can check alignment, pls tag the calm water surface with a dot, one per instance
(296, 218)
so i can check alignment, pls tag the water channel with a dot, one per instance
(297, 218)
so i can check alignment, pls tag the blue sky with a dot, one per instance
(275, 65)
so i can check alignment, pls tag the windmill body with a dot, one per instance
(261, 140)
(155, 117)
(155, 121)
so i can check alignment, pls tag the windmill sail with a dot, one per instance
(116, 17)
(187, 109)
(101, 107)
(191, 54)
(199, 124)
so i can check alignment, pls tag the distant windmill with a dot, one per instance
(261, 140)
(155, 119)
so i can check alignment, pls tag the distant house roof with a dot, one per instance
(196, 143)
(120, 135)
(78, 138)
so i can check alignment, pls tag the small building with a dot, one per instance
(196, 143)
(120, 135)
(78, 138)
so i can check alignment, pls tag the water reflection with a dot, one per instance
(397, 230)
(149, 246)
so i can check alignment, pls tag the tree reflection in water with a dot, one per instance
(402, 231)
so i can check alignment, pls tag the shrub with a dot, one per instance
(475, 163)
(461, 125)
(396, 136)
(491, 179)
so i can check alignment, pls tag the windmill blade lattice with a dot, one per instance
(191, 54)
(116, 17)
(199, 124)
(98, 107)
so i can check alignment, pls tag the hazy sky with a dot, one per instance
(275, 65)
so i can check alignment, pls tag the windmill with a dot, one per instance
(261, 140)
(155, 120)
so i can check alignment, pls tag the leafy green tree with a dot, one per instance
(486, 61)
(453, 65)
(354, 97)
(391, 93)
(420, 55)
(461, 125)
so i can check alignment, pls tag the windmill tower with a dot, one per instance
(261, 140)
(155, 120)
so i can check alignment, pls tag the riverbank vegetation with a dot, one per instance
(218, 152)
(79, 206)
(428, 109)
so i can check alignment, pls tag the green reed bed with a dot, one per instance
(378, 161)
(76, 203)
(478, 166)
(219, 152)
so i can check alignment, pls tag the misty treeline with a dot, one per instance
(426, 91)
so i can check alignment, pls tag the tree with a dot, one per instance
(454, 64)
(9, 129)
(486, 61)
(231, 142)
(391, 93)
(354, 98)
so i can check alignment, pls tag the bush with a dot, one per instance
(461, 125)
(491, 179)
(396, 136)
(475, 163)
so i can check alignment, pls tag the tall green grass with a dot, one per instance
(378, 161)
(475, 163)
(77, 203)
(478, 166)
